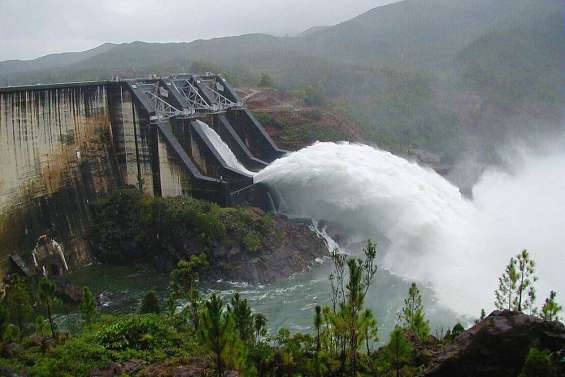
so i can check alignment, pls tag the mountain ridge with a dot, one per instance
(414, 34)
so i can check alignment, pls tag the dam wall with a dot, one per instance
(63, 146)
(55, 157)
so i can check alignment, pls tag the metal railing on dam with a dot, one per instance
(64, 145)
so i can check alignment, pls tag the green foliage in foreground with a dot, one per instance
(229, 336)
(18, 302)
(87, 306)
(412, 315)
(551, 309)
(129, 226)
(516, 289)
(150, 303)
(111, 338)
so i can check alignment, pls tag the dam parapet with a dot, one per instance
(64, 145)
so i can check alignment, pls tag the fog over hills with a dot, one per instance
(413, 73)
(419, 34)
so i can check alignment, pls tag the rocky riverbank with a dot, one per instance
(294, 248)
(290, 248)
(241, 244)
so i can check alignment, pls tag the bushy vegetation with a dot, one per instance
(229, 336)
(129, 226)
(538, 364)
(266, 81)
(297, 130)
(506, 66)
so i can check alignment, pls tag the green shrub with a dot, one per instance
(11, 333)
(538, 364)
(116, 233)
(266, 81)
(150, 303)
(144, 332)
(129, 226)
(252, 241)
(76, 357)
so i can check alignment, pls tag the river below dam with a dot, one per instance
(288, 303)
(426, 231)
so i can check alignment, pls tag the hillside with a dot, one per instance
(417, 74)
(415, 33)
(410, 33)
(53, 61)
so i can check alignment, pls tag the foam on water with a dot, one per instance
(433, 234)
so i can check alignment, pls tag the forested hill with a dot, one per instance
(413, 73)
(419, 34)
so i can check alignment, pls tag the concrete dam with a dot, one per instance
(64, 145)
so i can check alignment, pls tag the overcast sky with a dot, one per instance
(32, 28)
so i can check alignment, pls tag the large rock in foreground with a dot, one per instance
(497, 346)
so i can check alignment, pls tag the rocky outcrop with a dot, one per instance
(193, 367)
(113, 369)
(497, 346)
(183, 367)
(4, 372)
(291, 249)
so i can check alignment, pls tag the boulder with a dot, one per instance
(192, 367)
(496, 346)
(69, 292)
(10, 350)
(5, 372)
(118, 369)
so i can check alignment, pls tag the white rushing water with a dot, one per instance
(225, 152)
(432, 234)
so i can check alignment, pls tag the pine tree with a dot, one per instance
(150, 303)
(41, 325)
(348, 299)
(352, 310)
(507, 286)
(18, 303)
(525, 297)
(551, 309)
(87, 306)
(184, 283)
(337, 279)
(412, 314)
(482, 316)
(361, 275)
(47, 298)
(218, 336)
(516, 289)
(456, 330)
(259, 325)
(243, 319)
(370, 328)
(317, 326)
(399, 350)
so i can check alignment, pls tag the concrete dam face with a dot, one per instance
(64, 145)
